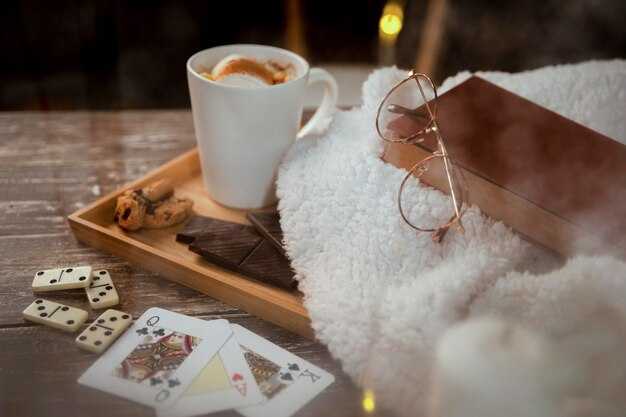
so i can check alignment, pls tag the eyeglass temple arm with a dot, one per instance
(456, 218)
(398, 109)
(446, 162)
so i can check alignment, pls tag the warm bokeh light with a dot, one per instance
(391, 21)
(390, 24)
(369, 403)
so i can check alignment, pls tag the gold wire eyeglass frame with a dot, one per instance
(454, 176)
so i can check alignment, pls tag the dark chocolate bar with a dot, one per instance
(268, 225)
(239, 248)
(198, 224)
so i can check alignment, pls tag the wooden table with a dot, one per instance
(51, 164)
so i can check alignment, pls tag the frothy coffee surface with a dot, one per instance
(249, 72)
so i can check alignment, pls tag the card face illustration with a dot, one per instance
(225, 382)
(266, 373)
(287, 381)
(157, 358)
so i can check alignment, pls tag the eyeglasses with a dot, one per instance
(407, 115)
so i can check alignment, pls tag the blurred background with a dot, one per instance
(107, 54)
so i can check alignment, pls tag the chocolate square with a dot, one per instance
(268, 225)
(198, 224)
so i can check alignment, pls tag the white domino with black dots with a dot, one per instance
(62, 279)
(55, 315)
(101, 292)
(104, 331)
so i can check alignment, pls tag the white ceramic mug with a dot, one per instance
(243, 132)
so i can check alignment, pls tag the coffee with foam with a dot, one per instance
(246, 71)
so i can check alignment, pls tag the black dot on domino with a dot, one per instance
(108, 287)
(97, 343)
(52, 281)
(69, 270)
(41, 308)
(108, 333)
(38, 301)
(82, 338)
(43, 314)
(40, 273)
(113, 319)
(70, 322)
(65, 308)
(102, 294)
(93, 328)
(96, 278)
(82, 278)
(95, 300)
(101, 321)
(103, 272)
(125, 316)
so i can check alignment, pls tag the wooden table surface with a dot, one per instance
(51, 164)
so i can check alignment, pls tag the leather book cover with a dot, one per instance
(538, 163)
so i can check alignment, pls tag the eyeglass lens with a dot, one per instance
(406, 99)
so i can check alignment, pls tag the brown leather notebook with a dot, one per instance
(555, 181)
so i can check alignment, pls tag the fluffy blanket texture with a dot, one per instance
(382, 297)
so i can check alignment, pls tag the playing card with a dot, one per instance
(287, 381)
(225, 382)
(157, 358)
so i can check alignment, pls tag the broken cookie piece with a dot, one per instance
(154, 206)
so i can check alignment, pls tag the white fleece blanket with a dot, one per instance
(380, 295)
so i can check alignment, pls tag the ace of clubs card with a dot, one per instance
(226, 382)
(157, 358)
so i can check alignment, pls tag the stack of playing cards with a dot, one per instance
(183, 366)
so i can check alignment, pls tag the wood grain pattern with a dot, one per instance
(52, 164)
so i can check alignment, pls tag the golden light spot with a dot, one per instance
(390, 24)
(391, 20)
(369, 402)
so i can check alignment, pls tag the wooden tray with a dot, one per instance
(158, 251)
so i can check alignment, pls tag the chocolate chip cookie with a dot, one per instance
(154, 206)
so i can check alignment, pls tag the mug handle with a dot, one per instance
(328, 104)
